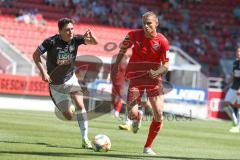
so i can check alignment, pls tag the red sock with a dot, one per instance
(118, 105)
(153, 131)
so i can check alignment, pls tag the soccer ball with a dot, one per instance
(101, 143)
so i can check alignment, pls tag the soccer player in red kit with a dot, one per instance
(145, 69)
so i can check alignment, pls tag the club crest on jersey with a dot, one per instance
(156, 46)
(71, 48)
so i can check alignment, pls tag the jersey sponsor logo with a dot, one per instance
(64, 58)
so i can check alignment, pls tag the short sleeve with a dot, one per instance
(165, 50)
(45, 46)
(131, 36)
(128, 40)
(79, 39)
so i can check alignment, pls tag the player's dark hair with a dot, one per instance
(63, 21)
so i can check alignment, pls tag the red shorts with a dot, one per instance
(137, 87)
(117, 90)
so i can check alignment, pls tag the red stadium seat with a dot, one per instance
(219, 11)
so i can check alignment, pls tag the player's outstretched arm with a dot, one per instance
(90, 38)
(38, 62)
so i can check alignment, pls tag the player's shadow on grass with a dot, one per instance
(101, 154)
(95, 154)
(42, 144)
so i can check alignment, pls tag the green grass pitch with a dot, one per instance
(31, 135)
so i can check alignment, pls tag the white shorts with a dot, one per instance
(232, 96)
(61, 93)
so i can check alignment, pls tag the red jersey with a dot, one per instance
(146, 49)
(146, 53)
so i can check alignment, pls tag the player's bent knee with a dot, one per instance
(133, 114)
(68, 115)
(158, 117)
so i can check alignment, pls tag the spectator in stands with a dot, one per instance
(63, 84)
(6, 3)
(209, 24)
(176, 42)
(23, 16)
(57, 3)
(30, 17)
(236, 13)
(145, 69)
(232, 97)
(125, 14)
(38, 19)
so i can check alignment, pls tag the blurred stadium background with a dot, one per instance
(203, 35)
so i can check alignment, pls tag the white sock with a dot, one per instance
(83, 123)
(239, 118)
(231, 114)
(128, 121)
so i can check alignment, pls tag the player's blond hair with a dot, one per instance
(148, 14)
